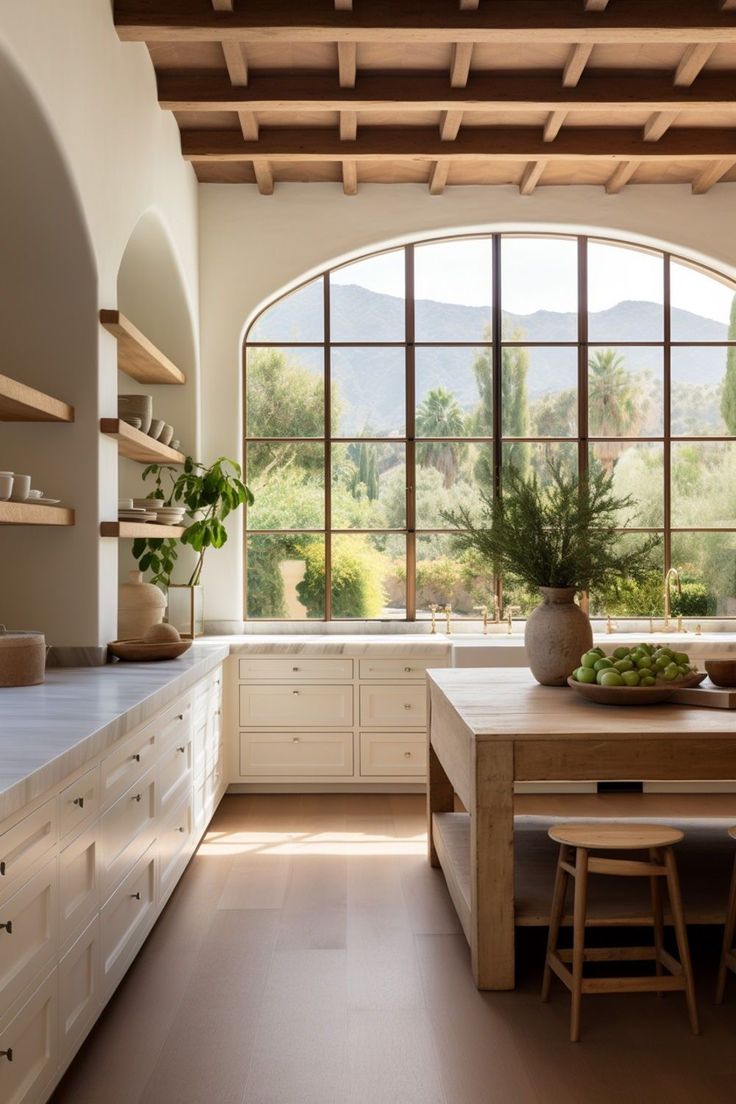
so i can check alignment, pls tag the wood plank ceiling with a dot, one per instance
(447, 92)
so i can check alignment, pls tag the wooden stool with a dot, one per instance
(728, 954)
(576, 840)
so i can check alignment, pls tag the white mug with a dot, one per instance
(6, 486)
(21, 487)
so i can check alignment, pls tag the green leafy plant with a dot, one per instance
(562, 534)
(210, 494)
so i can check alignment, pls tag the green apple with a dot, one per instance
(609, 678)
(621, 653)
(631, 678)
(584, 674)
(671, 673)
(622, 665)
(602, 665)
(644, 662)
(589, 659)
(648, 680)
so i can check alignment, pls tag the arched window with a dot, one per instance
(390, 389)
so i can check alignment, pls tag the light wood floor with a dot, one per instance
(311, 956)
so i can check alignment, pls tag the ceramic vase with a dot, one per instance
(140, 605)
(557, 634)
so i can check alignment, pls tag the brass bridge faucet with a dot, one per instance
(672, 574)
(447, 610)
(509, 617)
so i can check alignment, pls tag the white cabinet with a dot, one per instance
(175, 843)
(78, 885)
(290, 705)
(80, 802)
(127, 829)
(391, 705)
(80, 990)
(393, 753)
(293, 753)
(127, 763)
(126, 918)
(29, 1048)
(29, 932)
(26, 842)
(295, 668)
(396, 668)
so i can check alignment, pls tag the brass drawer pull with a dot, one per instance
(407, 755)
(136, 896)
(8, 927)
(295, 691)
(408, 670)
(79, 801)
(295, 739)
(295, 668)
(407, 705)
(2, 868)
(181, 829)
(136, 757)
(179, 717)
(136, 797)
(7, 1054)
(182, 749)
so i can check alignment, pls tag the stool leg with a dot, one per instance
(578, 939)
(727, 937)
(655, 885)
(673, 888)
(555, 918)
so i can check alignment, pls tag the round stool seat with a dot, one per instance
(732, 833)
(612, 837)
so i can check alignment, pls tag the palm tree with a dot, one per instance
(440, 415)
(614, 406)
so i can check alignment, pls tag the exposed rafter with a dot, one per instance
(438, 177)
(469, 5)
(472, 144)
(531, 176)
(450, 125)
(264, 176)
(595, 5)
(575, 64)
(691, 62)
(237, 68)
(348, 126)
(602, 90)
(462, 55)
(343, 5)
(554, 121)
(658, 124)
(711, 175)
(349, 178)
(249, 125)
(222, 5)
(347, 63)
(621, 176)
(495, 21)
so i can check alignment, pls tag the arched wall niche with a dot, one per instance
(152, 294)
(48, 321)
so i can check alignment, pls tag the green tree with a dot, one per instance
(614, 402)
(440, 415)
(365, 474)
(728, 394)
(515, 402)
(555, 415)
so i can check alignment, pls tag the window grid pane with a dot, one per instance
(333, 399)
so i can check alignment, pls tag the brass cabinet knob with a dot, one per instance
(79, 801)
(407, 705)
(136, 797)
(8, 927)
(2, 868)
(7, 1054)
(407, 755)
(136, 896)
(136, 757)
(182, 748)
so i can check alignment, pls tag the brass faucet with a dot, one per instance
(508, 614)
(611, 626)
(484, 611)
(447, 610)
(433, 607)
(673, 573)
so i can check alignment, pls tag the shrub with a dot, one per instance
(357, 579)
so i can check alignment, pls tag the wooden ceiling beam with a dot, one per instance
(596, 5)
(658, 124)
(727, 5)
(495, 21)
(347, 63)
(705, 180)
(691, 62)
(575, 64)
(348, 126)
(602, 90)
(472, 144)
(438, 177)
(469, 5)
(222, 5)
(450, 125)
(249, 125)
(350, 178)
(531, 176)
(237, 68)
(462, 55)
(621, 176)
(264, 176)
(343, 5)
(552, 126)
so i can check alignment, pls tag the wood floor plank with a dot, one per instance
(429, 904)
(314, 913)
(391, 1059)
(257, 880)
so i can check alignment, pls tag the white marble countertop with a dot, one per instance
(333, 644)
(48, 731)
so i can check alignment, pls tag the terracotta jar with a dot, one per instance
(140, 605)
(557, 634)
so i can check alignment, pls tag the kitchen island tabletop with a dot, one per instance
(490, 728)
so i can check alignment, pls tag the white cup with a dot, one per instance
(6, 485)
(21, 487)
(35, 494)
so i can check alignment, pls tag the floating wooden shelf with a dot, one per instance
(20, 403)
(133, 529)
(31, 513)
(139, 446)
(137, 356)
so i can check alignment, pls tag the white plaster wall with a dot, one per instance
(122, 155)
(254, 247)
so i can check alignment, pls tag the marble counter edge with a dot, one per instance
(22, 791)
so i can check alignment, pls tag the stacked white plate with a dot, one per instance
(135, 514)
(170, 515)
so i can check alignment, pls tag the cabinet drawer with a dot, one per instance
(79, 989)
(125, 918)
(397, 668)
(78, 885)
(303, 753)
(388, 706)
(174, 765)
(176, 727)
(126, 830)
(387, 753)
(174, 844)
(126, 764)
(25, 842)
(296, 706)
(295, 668)
(32, 1038)
(29, 936)
(79, 802)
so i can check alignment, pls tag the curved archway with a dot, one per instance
(48, 319)
(436, 365)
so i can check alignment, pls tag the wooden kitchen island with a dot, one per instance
(489, 728)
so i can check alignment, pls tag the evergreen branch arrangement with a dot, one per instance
(565, 534)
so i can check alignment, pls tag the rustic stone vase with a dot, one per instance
(557, 634)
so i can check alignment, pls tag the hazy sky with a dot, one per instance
(540, 274)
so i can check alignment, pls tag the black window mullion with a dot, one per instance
(497, 382)
(328, 451)
(410, 405)
(667, 399)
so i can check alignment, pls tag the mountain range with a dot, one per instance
(359, 315)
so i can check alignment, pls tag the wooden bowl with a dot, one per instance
(722, 672)
(634, 695)
(137, 651)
